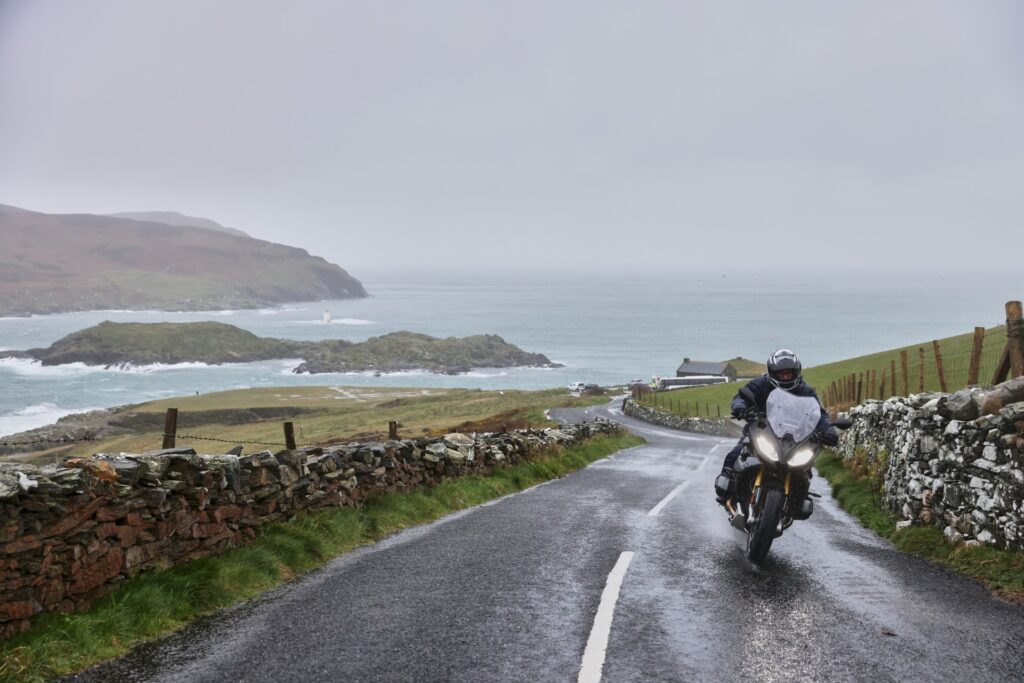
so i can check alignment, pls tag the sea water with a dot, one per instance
(605, 328)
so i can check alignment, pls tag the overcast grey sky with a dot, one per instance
(531, 133)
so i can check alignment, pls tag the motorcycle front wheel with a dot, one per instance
(759, 539)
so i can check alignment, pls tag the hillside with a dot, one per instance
(178, 219)
(746, 367)
(955, 353)
(115, 344)
(53, 263)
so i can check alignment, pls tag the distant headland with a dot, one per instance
(59, 263)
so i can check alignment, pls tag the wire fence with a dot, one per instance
(170, 438)
(987, 357)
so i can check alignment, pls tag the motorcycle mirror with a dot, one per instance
(843, 423)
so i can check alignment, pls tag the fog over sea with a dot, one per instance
(605, 328)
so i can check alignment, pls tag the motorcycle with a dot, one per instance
(773, 487)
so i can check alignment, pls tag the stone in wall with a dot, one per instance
(947, 463)
(69, 534)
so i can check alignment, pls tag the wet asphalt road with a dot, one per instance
(509, 591)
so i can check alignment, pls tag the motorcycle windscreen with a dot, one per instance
(796, 416)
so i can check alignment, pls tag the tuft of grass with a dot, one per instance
(1000, 570)
(156, 603)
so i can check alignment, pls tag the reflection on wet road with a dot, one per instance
(514, 590)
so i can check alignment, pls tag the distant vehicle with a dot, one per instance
(577, 387)
(636, 382)
(665, 383)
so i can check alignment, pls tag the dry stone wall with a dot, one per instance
(712, 426)
(69, 534)
(945, 463)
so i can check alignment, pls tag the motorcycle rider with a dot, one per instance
(784, 372)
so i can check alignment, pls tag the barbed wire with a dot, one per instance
(192, 437)
(237, 442)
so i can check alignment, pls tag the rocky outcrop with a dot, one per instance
(701, 425)
(945, 463)
(402, 351)
(120, 344)
(70, 533)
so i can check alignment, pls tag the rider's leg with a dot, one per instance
(730, 457)
(725, 483)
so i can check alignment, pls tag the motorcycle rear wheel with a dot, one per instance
(759, 539)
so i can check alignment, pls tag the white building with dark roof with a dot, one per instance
(693, 368)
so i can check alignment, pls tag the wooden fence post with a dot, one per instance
(892, 377)
(975, 368)
(920, 364)
(938, 366)
(1015, 336)
(393, 430)
(170, 427)
(903, 370)
(881, 390)
(289, 436)
(860, 387)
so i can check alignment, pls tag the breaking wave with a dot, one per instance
(37, 415)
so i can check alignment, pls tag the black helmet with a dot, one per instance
(784, 369)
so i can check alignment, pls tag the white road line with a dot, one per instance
(703, 462)
(597, 644)
(664, 501)
(683, 437)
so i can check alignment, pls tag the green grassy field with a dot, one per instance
(330, 414)
(156, 603)
(955, 355)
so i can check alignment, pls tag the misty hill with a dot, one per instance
(115, 344)
(178, 219)
(52, 263)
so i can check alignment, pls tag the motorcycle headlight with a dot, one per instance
(766, 448)
(801, 457)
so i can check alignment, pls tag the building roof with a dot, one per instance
(699, 367)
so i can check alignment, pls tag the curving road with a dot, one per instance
(626, 570)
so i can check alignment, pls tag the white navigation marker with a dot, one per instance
(597, 644)
(664, 501)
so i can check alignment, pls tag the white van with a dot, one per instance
(576, 387)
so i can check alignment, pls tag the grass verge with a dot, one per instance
(157, 603)
(1000, 570)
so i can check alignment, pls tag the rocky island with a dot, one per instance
(120, 344)
(57, 263)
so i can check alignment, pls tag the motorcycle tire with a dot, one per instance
(759, 539)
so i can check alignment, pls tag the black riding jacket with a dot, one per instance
(762, 386)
